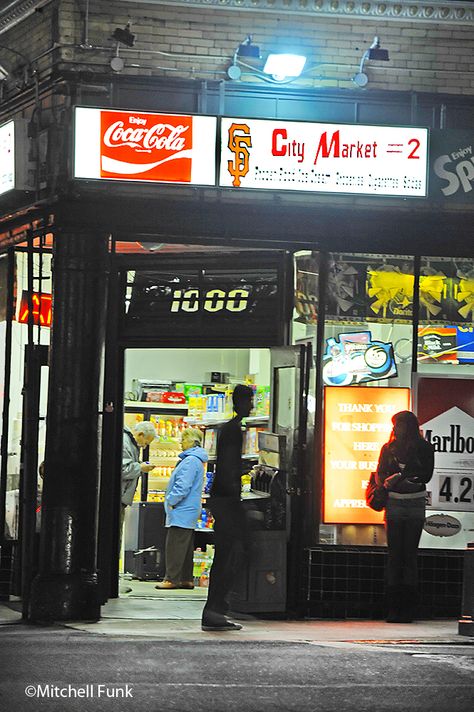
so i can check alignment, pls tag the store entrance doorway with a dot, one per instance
(233, 309)
(174, 389)
(177, 388)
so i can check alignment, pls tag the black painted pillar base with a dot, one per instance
(466, 622)
(64, 597)
(66, 586)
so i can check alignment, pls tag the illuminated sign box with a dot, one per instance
(41, 308)
(14, 156)
(357, 422)
(137, 146)
(324, 158)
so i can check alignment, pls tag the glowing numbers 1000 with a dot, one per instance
(214, 300)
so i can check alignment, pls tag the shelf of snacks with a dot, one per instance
(144, 405)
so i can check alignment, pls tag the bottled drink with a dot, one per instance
(197, 564)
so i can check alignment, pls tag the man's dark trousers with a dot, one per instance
(231, 542)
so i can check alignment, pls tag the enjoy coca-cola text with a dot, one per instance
(158, 137)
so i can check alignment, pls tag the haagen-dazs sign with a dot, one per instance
(139, 146)
(452, 166)
(442, 525)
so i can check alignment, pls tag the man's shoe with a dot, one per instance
(165, 585)
(187, 584)
(124, 589)
(224, 626)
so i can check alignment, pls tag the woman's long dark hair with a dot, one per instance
(404, 447)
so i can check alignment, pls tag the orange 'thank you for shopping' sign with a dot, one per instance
(139, 146)
(357, 422)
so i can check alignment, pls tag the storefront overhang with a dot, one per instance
(253, 219)
(214, 216)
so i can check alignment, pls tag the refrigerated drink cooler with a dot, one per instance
(144, 540)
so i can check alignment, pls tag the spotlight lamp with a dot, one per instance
(284, 66)
(124, 36)
(246, 50)
(373, 53)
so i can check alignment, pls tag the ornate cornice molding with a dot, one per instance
(458, 13)
(18, 10)
(437, 11)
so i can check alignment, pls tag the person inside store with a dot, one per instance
(230, 524)
(182, 507)
(405, 465)
(143, 434)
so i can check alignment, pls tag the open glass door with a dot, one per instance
(290, 367)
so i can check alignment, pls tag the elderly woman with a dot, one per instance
(182, 507)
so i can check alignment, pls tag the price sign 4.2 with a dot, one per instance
(453, 490)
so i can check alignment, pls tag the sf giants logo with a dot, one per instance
(239, 144)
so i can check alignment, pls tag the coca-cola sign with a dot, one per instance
(133, 145)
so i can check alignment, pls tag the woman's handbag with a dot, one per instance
(375, 496)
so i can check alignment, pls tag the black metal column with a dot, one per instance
(66, 585)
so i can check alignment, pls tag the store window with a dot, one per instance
(446, 331)
(444, 394)
(367, 352)
(40, 303)
(368, 341)
(306, 286)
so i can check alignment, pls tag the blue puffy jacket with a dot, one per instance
(184, 491)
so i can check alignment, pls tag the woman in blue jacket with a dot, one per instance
(182, 507)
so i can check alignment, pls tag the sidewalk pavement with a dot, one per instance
(176, 616)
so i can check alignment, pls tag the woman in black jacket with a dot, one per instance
(405, 465)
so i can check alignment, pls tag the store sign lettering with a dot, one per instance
(139, 146)
(330, 158)
(214, 300)
(450, 433)
(41, 311)
(357, 422)
(7, 157)
(454, 442)
(458, 176)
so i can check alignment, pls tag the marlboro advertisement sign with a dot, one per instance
(323, 158)
(138, 146)
(445, 409)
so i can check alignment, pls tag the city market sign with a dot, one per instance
(138, 146)
(324, 158)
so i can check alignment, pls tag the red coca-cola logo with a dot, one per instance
(154, 147)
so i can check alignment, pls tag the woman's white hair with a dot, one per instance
(145, 428)
(193, 434)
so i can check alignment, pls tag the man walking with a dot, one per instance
(230, 526)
